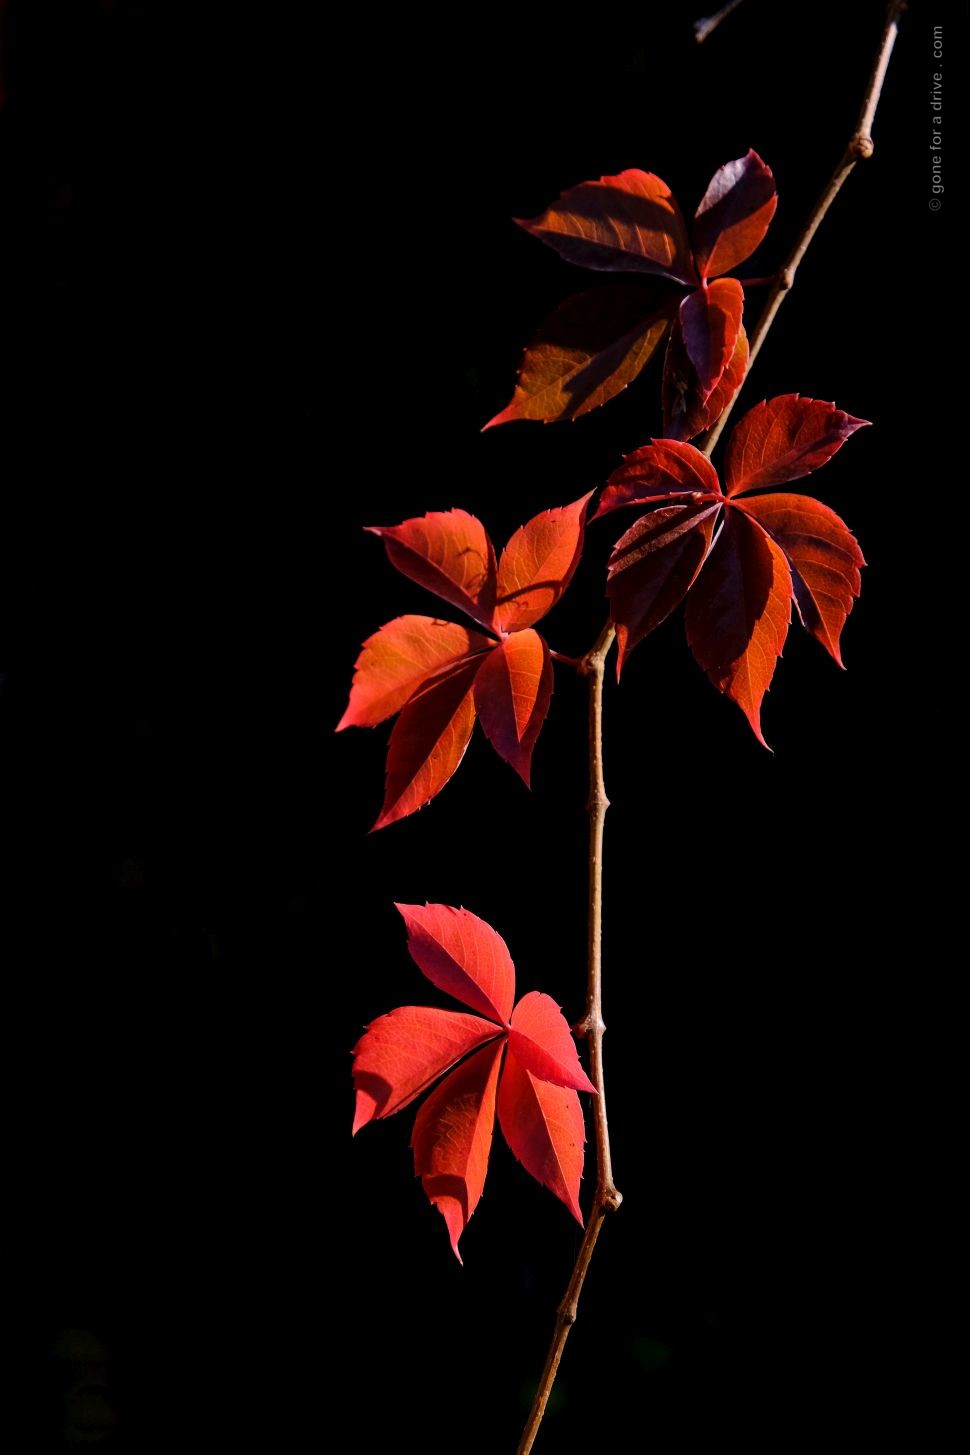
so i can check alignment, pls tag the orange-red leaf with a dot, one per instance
(659, 471)
(710, 321)
(738, 613)
(538, 564)
(449, 553)
(733, 215)
(783, 439)
(429, 741)
(629, 223)
(512, 694)
(402, 1053)
(652, 568)
(686, 412)
(398, 659)
(463, 956)
(824, 556)
(543, 1125)
(586, 352)
(543, 1044)
(453, 1137)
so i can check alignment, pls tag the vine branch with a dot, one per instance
(859, 148)
(607, 1197)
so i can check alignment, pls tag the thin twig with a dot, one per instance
(607, 1197)
(704, 26)
(860, 147)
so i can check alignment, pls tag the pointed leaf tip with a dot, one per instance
(784, 439)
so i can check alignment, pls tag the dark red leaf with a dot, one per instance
(448, 552)
(398, 659)
(710, 321)
(463, 956)
(538, 564)
(453, 1137)
(686, 412)
(428, 741)
(659, 471)
(733, 215)
(824, 557)
(628, 224)
(512, 695)
(543, 1125)
(542, 1042)
(783, 439)
(586, 352)
(402, 1053)
(652, 568)
(738, 613)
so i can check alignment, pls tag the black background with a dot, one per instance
(261, 289)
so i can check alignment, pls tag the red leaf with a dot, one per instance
(653, 567)
(449, 553)
(686, 412)
(402, 1053)
(733, 215)
(463, 956)
(512, 695)
(783, 439)
(586, 352)
(542, 1043)
(656, 472)
(538, 564)
(738, 613)
(710, 321)
(453, 1137)
(543, 1125)
(429, 741)
(398, 659)
(825, 560)
(628, 224)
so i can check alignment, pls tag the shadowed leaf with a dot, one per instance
(629, 223)
(710, 321)
(585, 353)
(825, 559)
(733, 215)
(652, 568)
(428, 741)
(738, 613)
(512, 695)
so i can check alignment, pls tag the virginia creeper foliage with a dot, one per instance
(440, 676)
(595, 343)
(769, 550)
(402, 1053)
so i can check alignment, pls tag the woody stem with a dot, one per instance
(607, 1197)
